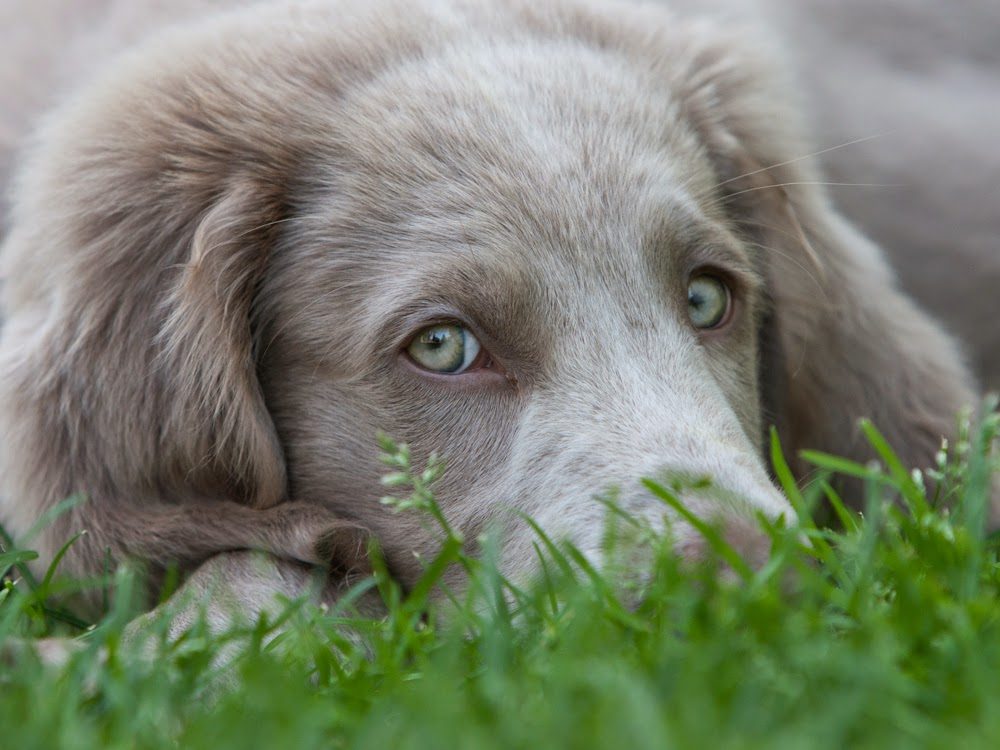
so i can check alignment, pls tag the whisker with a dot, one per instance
(806, 156)
(268, 224)
(803, 267)
(826, 301)
(816, 182)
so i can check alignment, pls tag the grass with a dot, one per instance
(883, 632)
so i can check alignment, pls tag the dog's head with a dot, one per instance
(564, 248)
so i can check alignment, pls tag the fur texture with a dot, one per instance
(220, 248)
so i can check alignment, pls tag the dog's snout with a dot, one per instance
(743, 535)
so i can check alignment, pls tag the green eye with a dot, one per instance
(708, 301)
(447, 348)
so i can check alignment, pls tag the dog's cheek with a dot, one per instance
(735, 365)
(473, 431)
(329, 430)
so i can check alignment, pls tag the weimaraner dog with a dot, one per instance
(564, 244)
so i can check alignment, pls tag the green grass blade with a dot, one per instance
(787, 480)
(711, 535)
(911, 493)
(840, 465)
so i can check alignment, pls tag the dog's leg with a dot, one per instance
(188, 534)
(236, 588)
(228, 591)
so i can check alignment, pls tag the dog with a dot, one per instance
(565, 245)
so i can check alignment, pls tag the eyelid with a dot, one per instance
(407, 320)
(732, 281)
(412, 331)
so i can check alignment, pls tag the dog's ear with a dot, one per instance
(218, 420)
(128, 367)
(136, 377)
(852, 344)
(140, 235)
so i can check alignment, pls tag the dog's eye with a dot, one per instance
(708, 301)
(446, 348)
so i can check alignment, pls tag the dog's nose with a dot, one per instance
(743, 535)
(730, 518)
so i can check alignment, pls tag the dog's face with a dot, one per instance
(525, 268)
(565, 248)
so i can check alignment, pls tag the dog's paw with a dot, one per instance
(344, 549)
(50, 652)
(312, 534)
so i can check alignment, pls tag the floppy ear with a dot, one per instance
(852, 344)
(129, 373)
(141, 230)
(219, 422)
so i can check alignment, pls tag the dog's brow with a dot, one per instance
(682, 239)
(490, 296)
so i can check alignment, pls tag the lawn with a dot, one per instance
(880, 629)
